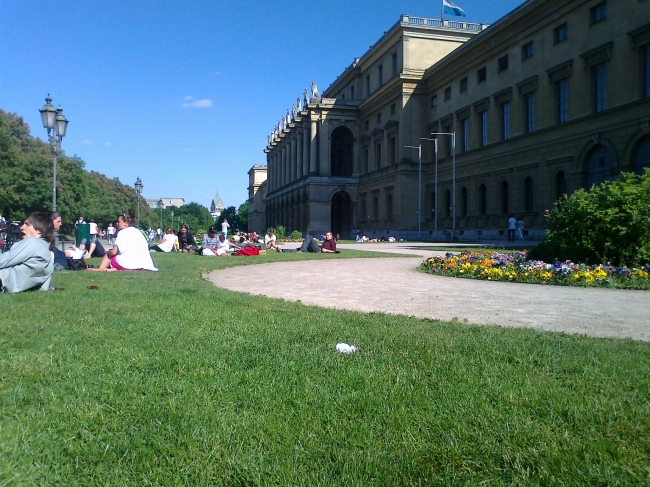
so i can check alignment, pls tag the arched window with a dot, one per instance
(463, 201)
(389, 207)
(375, 208)
(642, 156)
(560, 185)
(482, 199)
(504, 197)
(528, 195)
(342, 152)
(447, 203)
(599, 166)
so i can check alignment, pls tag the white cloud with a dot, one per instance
(85, 142)
(198, 104)
(187, 98)
(107, 144)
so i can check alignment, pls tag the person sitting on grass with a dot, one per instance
(168, 243)
(310, 245)
(186, 241)
(130, 252)
(210, 242)
(270, 240)
(29, 264)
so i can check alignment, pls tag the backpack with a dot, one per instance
(77, 265)
(250, 250)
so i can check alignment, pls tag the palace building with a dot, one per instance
(553, 97)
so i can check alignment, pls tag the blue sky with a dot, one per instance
(184, 93)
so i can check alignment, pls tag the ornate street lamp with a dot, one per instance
(138, 189)
(57, 126)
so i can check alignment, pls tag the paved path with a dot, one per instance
(392, 285)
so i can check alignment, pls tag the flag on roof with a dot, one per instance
(452, 9)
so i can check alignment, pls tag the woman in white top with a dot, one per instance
(168, 243)
(131, 252)
(269, 240)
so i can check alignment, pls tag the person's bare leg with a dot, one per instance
(105, 266)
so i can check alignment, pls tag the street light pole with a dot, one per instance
(419, 148)
(138, 189)
(56, 125)
(453, 176)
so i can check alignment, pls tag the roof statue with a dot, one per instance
(315, 95)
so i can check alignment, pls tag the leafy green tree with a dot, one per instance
(242, 214)
(608, 223)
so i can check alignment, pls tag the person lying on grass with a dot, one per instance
(310, 245)
(130, 252)
(29, 263)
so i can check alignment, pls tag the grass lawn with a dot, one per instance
(163, 379)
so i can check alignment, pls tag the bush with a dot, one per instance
(609, 223)
(296, 235)
(279, 231)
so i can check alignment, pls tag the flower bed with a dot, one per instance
(514, 266)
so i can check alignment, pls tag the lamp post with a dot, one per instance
(160, 205)
(138, 189)
(453, 176)
(56, 125)
(171, 203)
(419, 148)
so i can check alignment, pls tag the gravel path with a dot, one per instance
(392, 285)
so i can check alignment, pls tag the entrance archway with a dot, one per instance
(342, 152)
(341, 213)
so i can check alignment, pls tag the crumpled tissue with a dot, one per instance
(345, 348)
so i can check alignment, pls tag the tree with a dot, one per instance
(242, 214)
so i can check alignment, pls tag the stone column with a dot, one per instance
(305, 151)
(299, 153)
(312, 148)
(293, 175)
(283, 166)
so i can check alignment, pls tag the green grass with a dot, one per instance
(163, 379)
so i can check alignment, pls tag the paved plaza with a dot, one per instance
(393, 285)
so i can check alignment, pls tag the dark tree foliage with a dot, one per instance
(26, 181)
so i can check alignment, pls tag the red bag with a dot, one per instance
(250, 250)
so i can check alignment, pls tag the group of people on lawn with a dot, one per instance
(30, 262)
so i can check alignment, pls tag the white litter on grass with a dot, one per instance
(345, 348)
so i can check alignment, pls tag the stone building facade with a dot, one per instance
(553, 97)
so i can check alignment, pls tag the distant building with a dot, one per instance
(216, 207)
(156, 203)
(256, 194)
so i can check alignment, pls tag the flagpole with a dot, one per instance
(441, 9)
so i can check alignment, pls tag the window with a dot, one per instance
(464, 124)
(378, 155)
(366, 125)
(646, 72)
(448, 93)
(504, 197)
(433, 203)
(375, 208)
(562, 90)
(560, 33)
(598, 13)
(434, 100)
(528, 195)
(560, 185)
(367, 85)
(389, 207)
(482, 199)
(393, 110)
(505, 121)
(351, 92)
(527, 50)
(481, 74)
(463, 201)
(380, 72)
(483, 128)
(529, 104)
(502, 63)
(393, 150)
(366, 160)
(447, 203)
(378, 118)
(599, 76)
(394, 61)
(463, 85)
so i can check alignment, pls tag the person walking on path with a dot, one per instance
(93, 231)
(310, 245)
(520, 228)
(224, 228)
(110, 232)
(512, 226)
